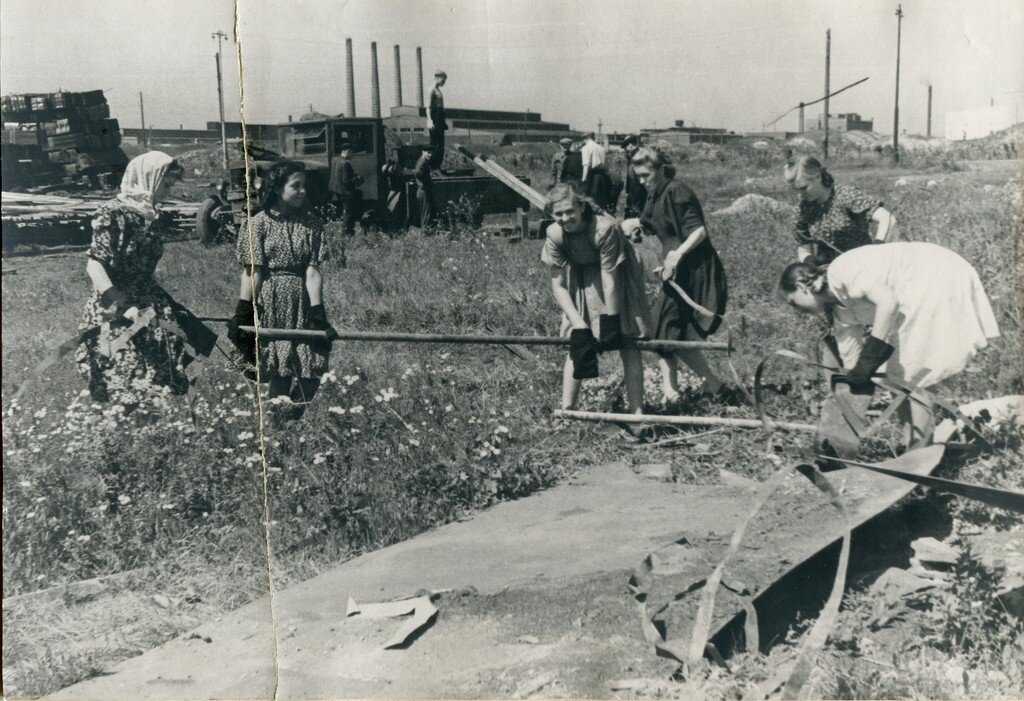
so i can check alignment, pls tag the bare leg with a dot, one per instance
(570, 386)
(669, 378)
(633, 372)
(696, 362)
(917, 422)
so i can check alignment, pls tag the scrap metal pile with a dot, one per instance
(60, 138)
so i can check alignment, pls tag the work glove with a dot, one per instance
(610, 328)
(583, 352)
(316, 320)
(872, 356)
(244, 341)
(115, 302)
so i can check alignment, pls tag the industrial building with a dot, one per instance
(680, 135)
(849, 121)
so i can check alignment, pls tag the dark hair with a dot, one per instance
(569, 191)
(797, 274)
(175, 170)
(276, 179)
(809, 166)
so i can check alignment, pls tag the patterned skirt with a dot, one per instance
(151, 364)
(284, 304)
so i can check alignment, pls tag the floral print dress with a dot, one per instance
(839, 224)
(153, 362)
(284, 245)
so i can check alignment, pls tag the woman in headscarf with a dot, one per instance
(924, 305)
(833, 218)
(673, 214)
(598, 283)
(281, 251)
(126, 362)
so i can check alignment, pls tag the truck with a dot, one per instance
(378, 156)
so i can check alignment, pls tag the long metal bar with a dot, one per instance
(678, 420)
(1001, 498)
(468, 339)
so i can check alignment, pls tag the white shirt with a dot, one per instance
(594, 155)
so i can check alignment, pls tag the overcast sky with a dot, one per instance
(731, 63)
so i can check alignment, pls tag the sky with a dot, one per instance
(727, 63)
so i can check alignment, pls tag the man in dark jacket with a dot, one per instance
(437, 121)
(345, 187)
(425, 201)
(636, 194)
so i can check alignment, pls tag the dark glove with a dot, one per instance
(872, 356)
(245, 341)
(316, 320)
(610, 328)
(116, 301)
(583, 352)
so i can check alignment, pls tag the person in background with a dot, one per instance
(597, 183)
(558, 160)
(127, 244)
(425, 200)
(833, 218)
(674, 215)
(344, 185)
(598, 283)
(281, 251)
(925, 307)
(636, 193)
(437, 121)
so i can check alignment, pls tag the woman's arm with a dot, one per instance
(314, 285)
(257, 277)
(886, 305)
(564, 299)
(673, 258)
(98, 274)
(612, 291)
(886, 224)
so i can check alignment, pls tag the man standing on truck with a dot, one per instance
(345, 187)
(437, 123)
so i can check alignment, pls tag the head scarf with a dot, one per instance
(141, 180)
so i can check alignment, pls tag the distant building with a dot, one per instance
(680, 135)
(977, 123)
(473, 125)
(850, 121)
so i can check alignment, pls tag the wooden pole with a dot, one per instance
(828, 63)
(220, 36)
(896, 106)
(469, 339)
(929, 132)
(678, 420)
(142, 116)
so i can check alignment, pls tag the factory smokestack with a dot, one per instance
(374, 81)
(398, 76)
(350, 76)
(419, 74)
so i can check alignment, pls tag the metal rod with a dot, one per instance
(678, 420)
(470, 339)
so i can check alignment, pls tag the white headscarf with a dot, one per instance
(141, 180)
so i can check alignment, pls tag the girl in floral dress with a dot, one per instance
(281, 250)
(124, 364)
(598, 282)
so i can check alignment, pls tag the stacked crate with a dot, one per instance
(56, 138)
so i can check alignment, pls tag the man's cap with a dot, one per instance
(565, 141)
(631, 140)
(588, 135)
(440, 74)
(344, 145)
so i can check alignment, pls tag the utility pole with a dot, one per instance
(801, 127)
(896, 106)
(929, 133)
(142, 115)
(220, 36)
(828, 64)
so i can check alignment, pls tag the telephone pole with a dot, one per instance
(929, 133)
(142, 115)
(220, 36)
(896, 107)
(828, 64)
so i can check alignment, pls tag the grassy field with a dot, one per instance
(400, 439)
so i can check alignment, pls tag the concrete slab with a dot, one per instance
(543, 565)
